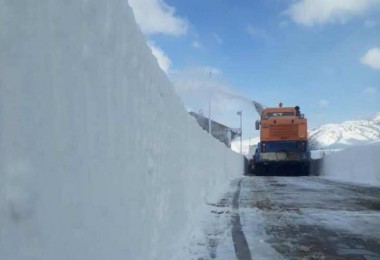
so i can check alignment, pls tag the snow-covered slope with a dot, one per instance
(345, 134)
(98, 157)
(359, 160)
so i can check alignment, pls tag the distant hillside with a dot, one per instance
(331, 136)
(345, 134)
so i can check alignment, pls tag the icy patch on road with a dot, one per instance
(212, 237)
(358, 223)
(309, 217)
(253, 227)
(253, 220)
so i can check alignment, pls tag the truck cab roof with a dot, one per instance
(279, 112)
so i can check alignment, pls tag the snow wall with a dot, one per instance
(98, 157)
(359, 164)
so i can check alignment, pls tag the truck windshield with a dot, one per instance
(278, 114)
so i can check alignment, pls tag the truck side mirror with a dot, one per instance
(258, 125)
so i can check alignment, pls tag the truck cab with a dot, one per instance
(283, 140)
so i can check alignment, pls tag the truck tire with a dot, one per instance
(260, 170)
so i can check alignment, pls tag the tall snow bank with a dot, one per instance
(98, 157)
(358, 164)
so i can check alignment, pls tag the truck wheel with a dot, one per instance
(260, 170)
(305, 169)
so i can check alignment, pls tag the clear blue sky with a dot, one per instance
(324, 58)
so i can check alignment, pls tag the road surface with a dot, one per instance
(294, 218)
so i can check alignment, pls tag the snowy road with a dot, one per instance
(294, 217)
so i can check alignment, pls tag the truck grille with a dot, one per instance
(283, 131)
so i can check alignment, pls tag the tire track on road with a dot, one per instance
(242, 251)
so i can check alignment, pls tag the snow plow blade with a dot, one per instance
(282, 169)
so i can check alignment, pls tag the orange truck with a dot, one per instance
(283, 148)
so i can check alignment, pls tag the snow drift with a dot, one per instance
(98, 157)
(359, 164)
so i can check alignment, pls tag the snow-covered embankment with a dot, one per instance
(358, 164)
(98, 157)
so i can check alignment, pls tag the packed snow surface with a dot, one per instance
(98, 157)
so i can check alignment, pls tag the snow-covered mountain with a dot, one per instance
(345, 134)
(330, 136)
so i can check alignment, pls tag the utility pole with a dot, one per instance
(240, 113)
(209, 106)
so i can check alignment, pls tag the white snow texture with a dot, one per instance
(338, 136)
(356, 164)
(98, 157)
